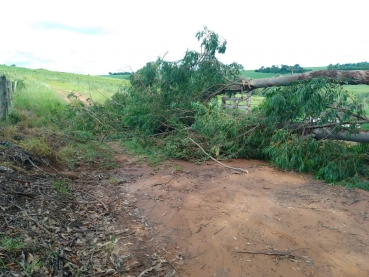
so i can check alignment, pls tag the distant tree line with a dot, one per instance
(120, 73)
(284, 69)
(349, 66)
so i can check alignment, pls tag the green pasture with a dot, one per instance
(317, 68)
(121, 77)
(94, 87)
(251, 74)
(35, 103)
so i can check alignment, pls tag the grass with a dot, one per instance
(10, 244)
(61, 187)
(9, 250)
(152, 155)
(259, 75)
(95, 87)
(122, 77)
(251, 74)
(43, 122)
(35, 102)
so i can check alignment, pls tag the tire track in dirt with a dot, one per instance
(275, 232)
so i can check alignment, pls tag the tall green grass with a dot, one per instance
(35, 104)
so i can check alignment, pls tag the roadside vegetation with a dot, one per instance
(165, 103)
(64, 121)
(45, 115)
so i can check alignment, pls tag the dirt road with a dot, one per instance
(210, 221)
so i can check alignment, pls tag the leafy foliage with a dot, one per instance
(168, 102)
(299, 108)
(313, 102)
(166, 90)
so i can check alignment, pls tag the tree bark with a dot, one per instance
(351, 77)
(326, 133)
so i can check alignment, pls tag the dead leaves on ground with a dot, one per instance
(69, 230)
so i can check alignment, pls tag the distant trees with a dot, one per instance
(349, 66)
(284, 69)
(120, 73)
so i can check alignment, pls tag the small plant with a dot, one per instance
(114, 180)
(33, 264)
(177, 167)
(9, 250)
(38, 147)
(10, 244)
(61, 187)
(109, 246)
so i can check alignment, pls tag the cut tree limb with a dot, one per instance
(326, 133)
(351, 77)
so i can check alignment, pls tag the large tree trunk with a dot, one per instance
(326, 133)
(351, 77)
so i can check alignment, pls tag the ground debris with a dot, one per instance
(52, 226)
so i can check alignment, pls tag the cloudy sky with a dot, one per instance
(101, 36)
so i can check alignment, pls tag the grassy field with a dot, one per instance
(251, 74)
(258, 75)
(122, 77)
(95, 87)
(42, 121)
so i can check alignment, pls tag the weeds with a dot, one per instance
(10, 244)
(61, 187)
(177, 167)
(114, 180)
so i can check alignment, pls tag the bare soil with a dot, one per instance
(183, 219)
(211, 221)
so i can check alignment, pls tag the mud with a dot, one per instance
(210, 221)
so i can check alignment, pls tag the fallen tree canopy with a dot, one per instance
(297, 126)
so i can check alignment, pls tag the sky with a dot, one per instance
(100, 36)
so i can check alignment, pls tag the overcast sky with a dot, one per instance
(101, 36)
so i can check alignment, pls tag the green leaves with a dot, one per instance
(169, 101)
(211, 42)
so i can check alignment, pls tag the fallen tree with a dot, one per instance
(298, 126)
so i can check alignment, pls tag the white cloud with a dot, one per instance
(96, 37)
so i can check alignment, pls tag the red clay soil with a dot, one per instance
(211, 221)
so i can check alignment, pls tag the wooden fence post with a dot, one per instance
(6, 96)
(3, 98)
